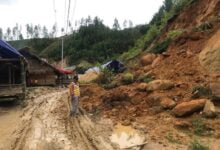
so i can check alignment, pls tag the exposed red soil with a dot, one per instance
(181, 65)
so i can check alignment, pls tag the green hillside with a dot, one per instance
(95, 42)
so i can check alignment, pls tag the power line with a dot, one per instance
(68, 13)
(54, 8)
(74, 10)
(64, 15)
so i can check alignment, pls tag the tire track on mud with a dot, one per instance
(46, 125)
(28, 117)
(90, 139)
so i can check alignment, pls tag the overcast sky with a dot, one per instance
(42, 11)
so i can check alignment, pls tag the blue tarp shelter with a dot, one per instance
(113, 65)
(7, 51)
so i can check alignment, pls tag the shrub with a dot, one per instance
(145, 78)
(174, 33)
(204, 26)
(83, 66)
(161, 47)
(200, 128)
(196, 145)
(130, 54)
(110, 85)
(105, 77)
(171, 139)
(180, 5)
(151, 35)
(128, 78)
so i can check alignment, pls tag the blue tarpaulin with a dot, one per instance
(7, 51)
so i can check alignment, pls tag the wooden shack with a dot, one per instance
(12, 73)
(39, 72)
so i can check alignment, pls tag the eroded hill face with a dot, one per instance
(196, 52)
(176, 74)
(210, 55)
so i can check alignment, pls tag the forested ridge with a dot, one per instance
(94, 42)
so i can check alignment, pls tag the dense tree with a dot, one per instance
(21, 36)
(96, 42)
(36, 32)
(130, 24)
(116, 25)
(54, 31)
(88, 20)
(125, 23)
(168, 4)
(45, 33)
(27, 30)
(8, 34)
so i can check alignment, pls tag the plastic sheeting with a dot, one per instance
(7, 51)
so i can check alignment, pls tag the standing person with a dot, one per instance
(74, 95)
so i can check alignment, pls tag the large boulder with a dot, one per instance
(160, 85)
(156, 61)
(215, 88)
(148, 59)
(142, 87)
(167, 103)
(188, 108)
(209, 110)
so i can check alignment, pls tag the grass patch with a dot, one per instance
(196, 145)
(199, 127)
(132, 53)
(83, 66)
(174, 33)
(161, 47)
(105, 77)
(171, 139)
(128, 78)
(206, 26)
(145, 78)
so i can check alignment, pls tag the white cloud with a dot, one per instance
(42, 12)
(7, 2)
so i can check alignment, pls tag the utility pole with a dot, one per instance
(62, 52)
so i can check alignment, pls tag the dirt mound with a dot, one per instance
(210, 56)
(88, 77)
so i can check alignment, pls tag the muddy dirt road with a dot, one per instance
(44, 124)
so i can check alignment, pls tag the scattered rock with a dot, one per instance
(136, 100)
(187, 108)
(115, 98)
(147, 68)
(142, 87)
(147, 59)
(126, 122)
(153, 100)
(155, 110)
(209, 110)
(150, 74)
(132, 109)
(160, 85)
(215, 88)
(165, 54)
(182, 125)
(156, 61)
(167, 103)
